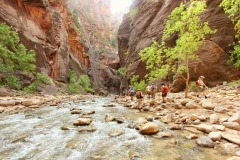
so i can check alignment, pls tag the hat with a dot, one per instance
(202, 77)
(138, 89)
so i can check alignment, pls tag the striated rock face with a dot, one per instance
(136, 32)
(66, 35)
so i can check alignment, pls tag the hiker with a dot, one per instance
(139, 96)
(164, 90)
(153, 90)
(201, 87)
(148, 89)
(131, 92)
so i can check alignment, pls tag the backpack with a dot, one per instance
(138, 95)
(165, 90)
(196, 83)
(153, 87)
(132, 90)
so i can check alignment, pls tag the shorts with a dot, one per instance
(201, 89)
(131, 94)
(164, 94)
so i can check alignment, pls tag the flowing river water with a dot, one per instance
(37, 135)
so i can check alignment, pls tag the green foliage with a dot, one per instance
(122, 71)
(44, 2)
(41, 78)
(137, 85)
(13, 82)
(14, 55)
(232, 8)
(186, 23)
(75, 83)
(192, 86)
(133, 12)
(234, 83)
(85, 82)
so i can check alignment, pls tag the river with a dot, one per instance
(37, 134)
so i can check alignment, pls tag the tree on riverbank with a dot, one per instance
(185, 23)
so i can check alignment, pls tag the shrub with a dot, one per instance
(138, 85)
(85, 82)
(13, 82)
(41, 78)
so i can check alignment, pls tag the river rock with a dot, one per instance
(6, 103)
(207, 104)
(31, 102)
(220, 109)
(191, 105)
(141, 120)
(232, 125)
(2, 109)
(234, 158)
(215, 136)
(193, 117)
(235, 118)
(205, 128)
(175, 127)
(109, 118)
(87, 129)
(192, 136)
(202, 118)
(88, 112)
(219, 127)
(82, 121)
(163, 135)
(234, 138)
(214, 119)
(184, 101)
(149, 128)
(197, 122)
(76, 111)
(230, 148)
(119, 120)
(177, 106)
(237, 152)
(115, 133)
(149, 118)
(205, 141)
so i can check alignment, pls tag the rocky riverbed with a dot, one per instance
(186, 128)
(213, 122)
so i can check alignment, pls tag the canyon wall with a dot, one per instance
(66, 35)
(145, 21)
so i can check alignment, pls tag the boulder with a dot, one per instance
(215, 136)
(234, 138)
(232, 125)
(235, 117)
(205, 141)
(214, 119)
(109, 118)
(207, 104)
(82, 121)
(191, 105)
(149, 128)
(6, 103)
(205, 128)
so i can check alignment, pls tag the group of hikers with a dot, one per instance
(151, 91)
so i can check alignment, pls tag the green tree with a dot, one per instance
(232, 8)
(186, 23)
(137, 85)
(13, 55)
(85, 83)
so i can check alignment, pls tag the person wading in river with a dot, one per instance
(139, 96)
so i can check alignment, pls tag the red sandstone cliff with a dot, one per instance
(136, 33)
(63, 41)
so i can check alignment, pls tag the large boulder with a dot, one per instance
(205, 141)
(149, 128)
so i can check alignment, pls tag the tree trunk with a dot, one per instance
(187, 79)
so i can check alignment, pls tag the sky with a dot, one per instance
(120, 5)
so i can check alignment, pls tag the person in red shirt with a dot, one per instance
(164, 92)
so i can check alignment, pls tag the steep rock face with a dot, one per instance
(49, 27)
(136, 33)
